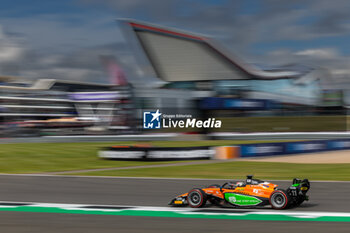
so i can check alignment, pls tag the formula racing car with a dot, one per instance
(248, 193)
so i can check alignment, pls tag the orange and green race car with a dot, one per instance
(248, 193)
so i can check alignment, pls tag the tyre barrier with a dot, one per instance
(157, 153)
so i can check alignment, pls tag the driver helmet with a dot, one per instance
(239, 183)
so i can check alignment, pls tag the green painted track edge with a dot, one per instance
(174, 214)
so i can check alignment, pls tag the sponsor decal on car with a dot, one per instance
(241, 200)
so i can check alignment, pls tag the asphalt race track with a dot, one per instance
(324, 197)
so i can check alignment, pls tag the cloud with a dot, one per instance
(321, 53)
(68, 45)
(282, 19)
(9, 49)
(11, 52)
(331, 63)
(63, 32)
(80, 64)
(242, 25)
(47, 46)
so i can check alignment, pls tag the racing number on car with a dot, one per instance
(293, 192)
(256, 191)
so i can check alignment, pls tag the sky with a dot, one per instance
(65, 39)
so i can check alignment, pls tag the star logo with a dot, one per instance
(151, 120)
(156, 115)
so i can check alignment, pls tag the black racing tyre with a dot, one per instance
(279, 199)
(196, 198)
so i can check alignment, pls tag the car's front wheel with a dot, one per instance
(196, 198)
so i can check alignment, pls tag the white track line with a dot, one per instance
(299, 214)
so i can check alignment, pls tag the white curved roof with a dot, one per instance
(181, 56)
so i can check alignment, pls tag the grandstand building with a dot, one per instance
(197, 72)
(50, 103)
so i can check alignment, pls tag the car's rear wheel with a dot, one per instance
(196, 198)
(279, 199)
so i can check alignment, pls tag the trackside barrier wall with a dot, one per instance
(261, 149)
(221, 152)
(157, 153)
(285, 148)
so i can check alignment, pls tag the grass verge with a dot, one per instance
(239, 170)
(54, 157)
